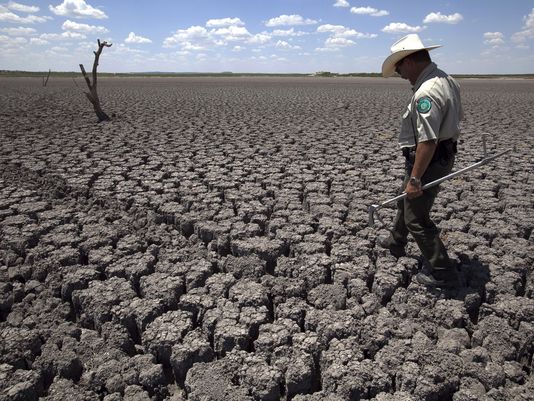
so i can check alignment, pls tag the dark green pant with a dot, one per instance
(413, 217)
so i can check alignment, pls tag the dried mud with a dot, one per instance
(211, 243)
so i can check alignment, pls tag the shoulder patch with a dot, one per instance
(424, 104)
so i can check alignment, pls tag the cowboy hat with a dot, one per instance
(402, 48)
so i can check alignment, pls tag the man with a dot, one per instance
(428, 135)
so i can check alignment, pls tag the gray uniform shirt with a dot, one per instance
(435, 110)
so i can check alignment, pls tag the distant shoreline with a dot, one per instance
(72, 74)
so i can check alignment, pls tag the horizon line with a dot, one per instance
(316, 73)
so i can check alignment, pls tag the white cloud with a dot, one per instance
(275, 57)
(340, 31)
(186, 36)
(338, 42)
(327, 49)
(218, 23)
(8, 16)
(342, 3)
(401, 27)
(281, 44)
(340, 37)
(528, 30)
(200, 38)
(123, 49)
(22, 8)
(494, 38)
(238, 49)
(69, 25)
(11, 41)
(58, 50)
(440, 18)
(331, 28)
(38, 41)
(288, 32)
(373, 12)
(367, 35)
(529, 20)
(232, 33)
(77, 9)
(187, 46)
(62, 36)
(73, 35)
(289, 20)
(133, 38)
(20, 31)
(259, 39)
(182, 53)
(20, 41)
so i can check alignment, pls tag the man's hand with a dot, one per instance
(413, 191)
(423, 154)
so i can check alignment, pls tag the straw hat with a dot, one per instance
(402, 48)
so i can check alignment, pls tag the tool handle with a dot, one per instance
(373, 209)
(447, 177)
(461, 171)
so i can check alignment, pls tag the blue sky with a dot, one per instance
(304, 36)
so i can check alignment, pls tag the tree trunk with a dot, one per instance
(102, 116)
(92, 95)
(45, 82)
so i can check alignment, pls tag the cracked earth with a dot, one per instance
(210, 243)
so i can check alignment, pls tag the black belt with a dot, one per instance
(444, 150)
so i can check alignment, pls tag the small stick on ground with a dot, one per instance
(92, 95)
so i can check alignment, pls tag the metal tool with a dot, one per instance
(373, 209)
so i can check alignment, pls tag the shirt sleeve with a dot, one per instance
(428, 117)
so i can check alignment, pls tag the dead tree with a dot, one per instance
(92, 95)
(45, 82)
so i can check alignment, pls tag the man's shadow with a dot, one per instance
(473, 272)
(473, 275)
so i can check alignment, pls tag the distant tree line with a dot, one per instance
(74, 74)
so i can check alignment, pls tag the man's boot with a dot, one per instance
(439, 278)
(394, 248)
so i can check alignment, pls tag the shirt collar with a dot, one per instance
(429, 69)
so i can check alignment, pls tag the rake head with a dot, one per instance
(373, 210)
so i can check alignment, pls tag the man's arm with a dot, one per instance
(423, 155)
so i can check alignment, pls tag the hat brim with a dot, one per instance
(388, 66)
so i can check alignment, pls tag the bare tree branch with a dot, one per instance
(92, 95)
